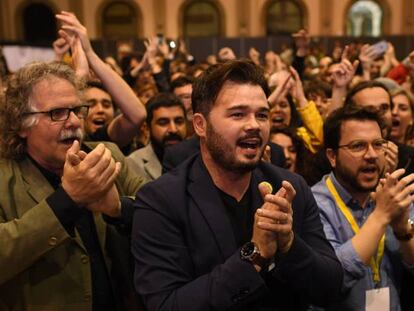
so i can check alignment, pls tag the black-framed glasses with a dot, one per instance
(360, 147)
(62, 114)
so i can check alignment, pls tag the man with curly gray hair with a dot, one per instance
(55, 193)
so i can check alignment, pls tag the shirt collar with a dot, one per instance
(345, 195)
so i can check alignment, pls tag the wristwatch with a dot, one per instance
(406, 236)
(250, 252)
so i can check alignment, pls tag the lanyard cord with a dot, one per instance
(373, 263)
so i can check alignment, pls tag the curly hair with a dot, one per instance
(16, 102)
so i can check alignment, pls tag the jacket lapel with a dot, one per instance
(36, 185)
(207, 199)
(151, 164)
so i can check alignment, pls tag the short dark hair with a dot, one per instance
(95, 83)
(207, 87)
(318, 88)
(333, 124)
(162, 100)
(181, 81)
(362, 86)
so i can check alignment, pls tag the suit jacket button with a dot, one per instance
(84, 259)
(52, 241)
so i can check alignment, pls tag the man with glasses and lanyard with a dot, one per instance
(57, 252)
(366, 214)
(375, 96)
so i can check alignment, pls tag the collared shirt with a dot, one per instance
(358, 277)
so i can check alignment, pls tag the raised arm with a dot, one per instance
(124, 127)
(342, 76)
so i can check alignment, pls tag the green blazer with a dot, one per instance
(41, 266)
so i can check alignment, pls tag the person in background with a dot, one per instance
(366, 215)
(56, 192)
(183, 88)
(120, 129)
(402, 114)
(166, 122)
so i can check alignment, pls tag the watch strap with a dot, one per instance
(250, 252)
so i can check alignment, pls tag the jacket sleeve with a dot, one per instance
(164, 272)
(312, 131)
(128, 181)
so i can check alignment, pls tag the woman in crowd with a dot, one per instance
(402, 115)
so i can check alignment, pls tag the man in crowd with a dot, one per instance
(208, 236)
(56, 251)
(375, 96)
(166, 121)
(183, 88)
(365, 218)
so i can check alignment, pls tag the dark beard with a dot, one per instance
(172, 136)
(159, 147)
(349, 181)
(222, 153)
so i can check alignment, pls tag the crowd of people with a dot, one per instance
(155, 181)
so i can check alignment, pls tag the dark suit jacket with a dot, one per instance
(177, 154)
(186, 255)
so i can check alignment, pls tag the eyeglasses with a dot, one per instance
(360, 147)
(62, 114)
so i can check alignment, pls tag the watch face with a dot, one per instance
(248, 250)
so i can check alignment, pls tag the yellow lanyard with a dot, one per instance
(374, 264)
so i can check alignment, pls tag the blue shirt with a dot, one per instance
(358, 278)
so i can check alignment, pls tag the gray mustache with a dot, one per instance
(69, 134)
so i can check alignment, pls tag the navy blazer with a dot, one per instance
(187, 259)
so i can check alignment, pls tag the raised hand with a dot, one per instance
(60, 47)
(284, 82)
(344, 72)
(71, 24)
(302, 41)
(164, 48)
(254, 55)
(391, 157)
(86, 178)
(75, 156)
(79, 60)
(394, 196)
(367, 55)
(273, 221)
(297, 89)
(286, 194)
